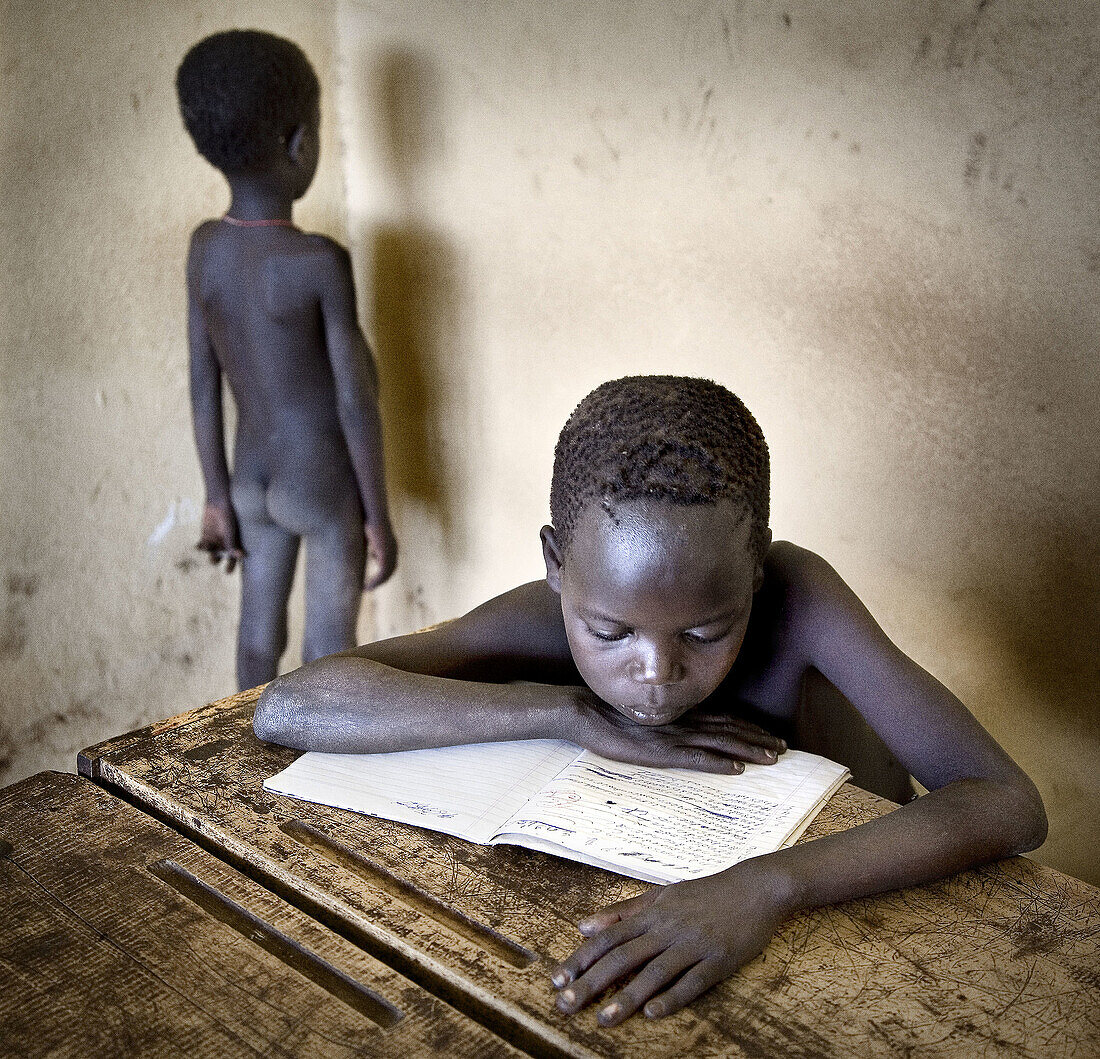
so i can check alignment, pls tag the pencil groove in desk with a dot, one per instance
(380, 878)
(538, 1040)
(295, 955)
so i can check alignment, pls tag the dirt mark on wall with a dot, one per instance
(21, 588)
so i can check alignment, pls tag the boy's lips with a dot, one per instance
(651, 715)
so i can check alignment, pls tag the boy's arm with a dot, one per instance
(220, 535)
(981, 807)
(356, 377)
(451, 685)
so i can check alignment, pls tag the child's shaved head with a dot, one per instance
(660, 437)
(241, 92)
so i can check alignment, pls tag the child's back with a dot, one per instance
(260, 291)
(273, 309)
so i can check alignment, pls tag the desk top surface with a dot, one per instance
(120, 937)
(1002, 960)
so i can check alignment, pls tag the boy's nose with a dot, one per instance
(656, 664)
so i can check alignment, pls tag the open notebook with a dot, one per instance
(658, 825)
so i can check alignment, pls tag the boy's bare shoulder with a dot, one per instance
(325, 250)
(806, 597)
(199, 240)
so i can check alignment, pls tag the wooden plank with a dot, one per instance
(998, 961)
(120, 937)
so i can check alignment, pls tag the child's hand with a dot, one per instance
(702, 930)
(381, 552)
(220, 536)
(702, 741)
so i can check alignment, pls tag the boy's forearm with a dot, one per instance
(362, 428)
(358, 706)
(210, 444)
(361, 422)
(948, 830)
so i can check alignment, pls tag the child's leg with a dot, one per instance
(267, 572)
(335, 563)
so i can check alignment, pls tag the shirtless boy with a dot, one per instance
(667, 618)
(273, 309)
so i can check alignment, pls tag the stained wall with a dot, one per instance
(876, 222)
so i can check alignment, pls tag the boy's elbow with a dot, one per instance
(1025, 817)
(276, 707)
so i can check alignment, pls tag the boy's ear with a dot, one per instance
(294, 143)
(551, 553)
(758, 577)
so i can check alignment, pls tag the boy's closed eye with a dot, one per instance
(696, 636)
(609, 635)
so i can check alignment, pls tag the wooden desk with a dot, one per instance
(119, 937)
(998, 961)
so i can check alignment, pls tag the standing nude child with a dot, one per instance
(668, 628)
(272, 309)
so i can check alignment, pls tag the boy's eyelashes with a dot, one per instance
(615, 635)
(608, 637)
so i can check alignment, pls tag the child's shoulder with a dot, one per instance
(804, 595)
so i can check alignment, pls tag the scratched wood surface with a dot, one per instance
(119, 937)
(1003, 960)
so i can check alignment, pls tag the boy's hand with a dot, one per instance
(220, 535)
(693, 934)
(381, 554)
(705, 742)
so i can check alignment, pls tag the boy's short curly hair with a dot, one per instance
(240, 91)
(670, 438)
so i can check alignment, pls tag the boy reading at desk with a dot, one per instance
(667, 621)
(273, 309)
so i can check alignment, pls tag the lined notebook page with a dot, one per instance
(468, 791)
(664, 825)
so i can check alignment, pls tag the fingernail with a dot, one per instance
(654, 1010)
(610, 1012)
(783, 744)
(560, 978)
(770, 755)
(569, 997)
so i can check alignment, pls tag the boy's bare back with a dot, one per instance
(263, 294)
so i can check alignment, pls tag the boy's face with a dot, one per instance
(655, 605)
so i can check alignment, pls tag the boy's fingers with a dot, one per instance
(613, 913)
(658, 973)
(702, 759)
(735, 748)
(693, 984)
(618, 961)
(745, 730)
(571, 968)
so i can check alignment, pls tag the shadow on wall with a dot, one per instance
(983, 455)
(417, 297)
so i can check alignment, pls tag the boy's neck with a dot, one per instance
(252, 201)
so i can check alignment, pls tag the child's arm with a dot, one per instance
(449, 685)
(981, 807)
(356, 379)
(220, 535)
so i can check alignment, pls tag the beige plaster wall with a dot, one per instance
(876, 222)
(109, 618)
